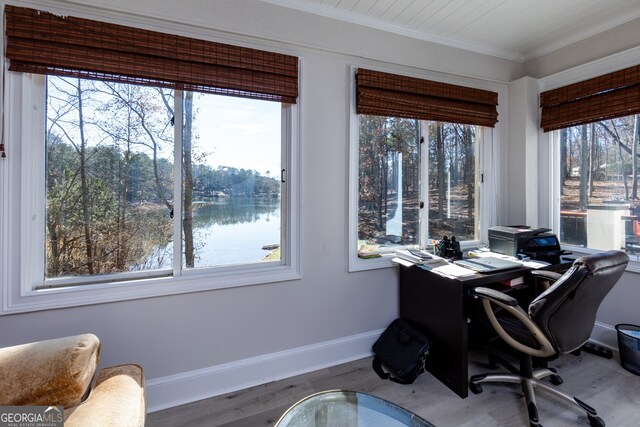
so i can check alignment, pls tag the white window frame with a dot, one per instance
(24, 106)
(550, 141)
(486, 161)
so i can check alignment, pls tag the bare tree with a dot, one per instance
(187, 171)
(593, 164)
(612, 130)
(634, 156)
(440, 161)
(469, 168)
(73, 105)
(142, 109)
(584, 167)
(564, 167)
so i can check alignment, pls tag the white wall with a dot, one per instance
(523, 153)
(195, 345)
(591, 49)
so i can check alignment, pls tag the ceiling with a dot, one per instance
(512, 29)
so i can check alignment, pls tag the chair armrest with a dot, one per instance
(495, 296)
(546, 275)
(117, 400)
(510, 304)
(55, 372)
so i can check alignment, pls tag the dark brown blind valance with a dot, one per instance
(44, 43)
(606, 97)
(385, 94)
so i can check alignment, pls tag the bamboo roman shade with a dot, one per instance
(606, 97)
(385, 94)
(44, 43)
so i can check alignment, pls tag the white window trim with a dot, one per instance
(550, 142)
(17, 294)
(488, 166)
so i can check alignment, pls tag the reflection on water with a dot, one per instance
(229, 231)
(234, 230)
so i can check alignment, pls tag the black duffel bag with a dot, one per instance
(403, 351)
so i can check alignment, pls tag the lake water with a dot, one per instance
(229, 231)
(233, 231)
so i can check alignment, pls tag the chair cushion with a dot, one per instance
(566, 312)
(117, 400)
(55, 372)
(516, 329)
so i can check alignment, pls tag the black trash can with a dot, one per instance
(629, 347)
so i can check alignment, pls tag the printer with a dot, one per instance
(538, 244)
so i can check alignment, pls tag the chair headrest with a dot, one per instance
(601, 261)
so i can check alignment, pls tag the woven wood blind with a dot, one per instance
(392, 95)
(606, 97)
(44, 43)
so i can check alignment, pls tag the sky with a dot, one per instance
(241, 133)
(236, 132)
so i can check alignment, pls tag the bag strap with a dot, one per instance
(377, 367)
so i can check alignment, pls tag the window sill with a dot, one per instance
(53, 298)
(358, 264)
(578, 251)
(361, 264)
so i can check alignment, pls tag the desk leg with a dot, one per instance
(436, 305)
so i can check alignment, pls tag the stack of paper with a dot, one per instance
(453, 270)
(420, 258)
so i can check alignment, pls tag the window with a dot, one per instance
(415, 172)
(109, 176)
(418, 161)
(599, 199)
(140, 183)
(595, 130)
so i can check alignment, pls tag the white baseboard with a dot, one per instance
(605, 335)
(186, 387)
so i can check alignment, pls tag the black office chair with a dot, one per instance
(559, 321)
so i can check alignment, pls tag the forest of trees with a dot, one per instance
(387, 144)
(598, 164)
(452, 180)
(110, 177)
(381, 139)
(601, 159)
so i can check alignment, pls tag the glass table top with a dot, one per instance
(343, 408)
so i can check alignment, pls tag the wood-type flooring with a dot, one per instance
(602, 383)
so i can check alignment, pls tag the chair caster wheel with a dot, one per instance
(596, 421)
(556, 379)
(475, 388)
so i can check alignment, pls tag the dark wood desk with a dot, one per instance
(440, 307)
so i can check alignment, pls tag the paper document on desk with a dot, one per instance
(535, 264)
(453, 270)
(401, 261)
(489, 254)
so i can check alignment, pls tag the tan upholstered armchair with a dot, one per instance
(60, 372)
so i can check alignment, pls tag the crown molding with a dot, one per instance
(353, 18)
(609, 64)
(342, 15)
(589, 32)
